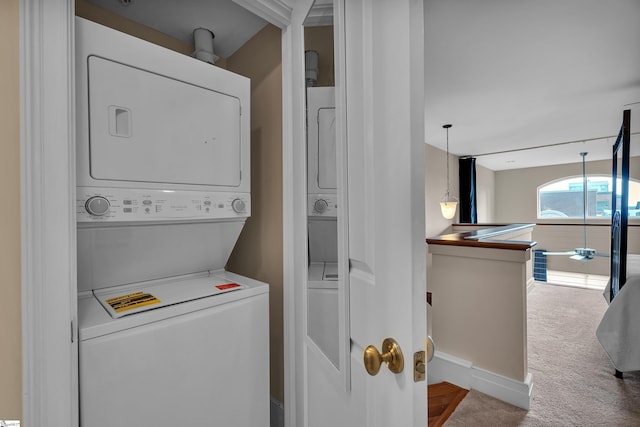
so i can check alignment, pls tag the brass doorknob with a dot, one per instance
(391, 355)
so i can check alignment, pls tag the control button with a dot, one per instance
(127, 210)
(146, 202)
(320, 205)
(147, 210)
(238, 205)
(126, 202)
(207, 202)
(97, 205)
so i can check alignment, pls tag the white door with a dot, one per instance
(379, 84)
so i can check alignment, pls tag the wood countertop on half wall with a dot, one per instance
(485, 238)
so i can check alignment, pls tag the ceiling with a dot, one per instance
(508, 74)
(512, 74)
(231, 24)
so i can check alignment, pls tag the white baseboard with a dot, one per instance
(277, 413)
(462, 373)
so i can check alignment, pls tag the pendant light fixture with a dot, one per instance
(448, 203)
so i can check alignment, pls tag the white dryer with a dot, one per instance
(321, 152)
(166, 336)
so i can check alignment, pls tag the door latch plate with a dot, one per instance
(419, 366)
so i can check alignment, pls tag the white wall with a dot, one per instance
(479, 306)
(485, 194)
(435, 187)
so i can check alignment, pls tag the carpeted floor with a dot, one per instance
(573, 381)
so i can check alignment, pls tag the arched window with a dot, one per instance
(563, 198)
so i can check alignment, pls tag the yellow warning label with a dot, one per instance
(131, 301)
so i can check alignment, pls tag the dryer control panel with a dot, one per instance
(322, 205)
(94, 204)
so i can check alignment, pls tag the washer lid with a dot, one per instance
(126, 300)
(94, 321)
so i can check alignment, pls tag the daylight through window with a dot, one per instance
(564, 198)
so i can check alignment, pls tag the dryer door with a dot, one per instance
(327, 148)
(146, 127)
(321, 140)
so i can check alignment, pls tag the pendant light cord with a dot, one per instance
(447, 164)
(584, 198)
(447, 128)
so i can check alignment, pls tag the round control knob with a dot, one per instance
(238, 205)
(320, 205)
(97, 205)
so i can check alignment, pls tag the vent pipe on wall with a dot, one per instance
(203, 42)
(311, 67)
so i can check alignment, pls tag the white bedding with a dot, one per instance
(619, 330)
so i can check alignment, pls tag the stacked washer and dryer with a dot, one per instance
(322, 221)
(167, 337)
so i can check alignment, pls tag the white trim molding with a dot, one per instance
(49, 351)
(531, 282)
(290, 296)
(277, 12)
(294, 212)
(462, 373)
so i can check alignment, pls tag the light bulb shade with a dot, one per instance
(448, 209)
(448, 206)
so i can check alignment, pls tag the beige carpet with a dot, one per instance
(573, 381)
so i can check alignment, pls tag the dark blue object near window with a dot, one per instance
(468, 205)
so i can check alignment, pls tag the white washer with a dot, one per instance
(200, 362)
(323, 326)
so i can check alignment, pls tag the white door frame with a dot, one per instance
(294, 242)
(47, 180)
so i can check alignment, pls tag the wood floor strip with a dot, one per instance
(443, 399)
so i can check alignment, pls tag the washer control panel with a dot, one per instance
(124, 204)
(322, 205)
